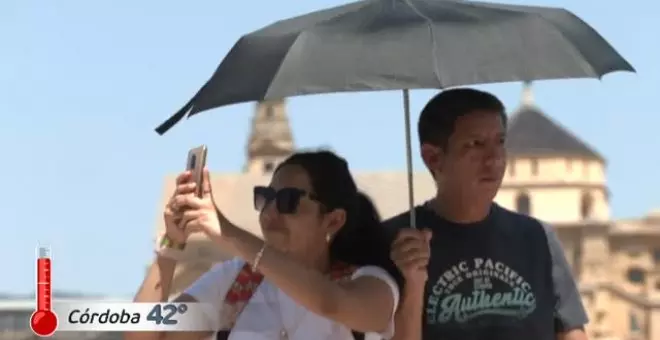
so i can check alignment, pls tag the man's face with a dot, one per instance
(474, 160)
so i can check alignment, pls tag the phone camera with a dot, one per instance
(193, 161)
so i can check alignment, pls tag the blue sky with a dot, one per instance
(83, 84)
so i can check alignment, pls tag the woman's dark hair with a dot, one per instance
(362, 240)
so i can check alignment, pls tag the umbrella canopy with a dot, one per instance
(375, 45)
(404, 44)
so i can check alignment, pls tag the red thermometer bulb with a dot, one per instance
(44, 321)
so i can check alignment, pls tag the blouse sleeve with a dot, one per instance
(381, 274)
(210, 289)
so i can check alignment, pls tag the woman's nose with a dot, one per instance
(269, 212)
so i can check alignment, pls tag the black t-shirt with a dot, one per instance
(504, 278)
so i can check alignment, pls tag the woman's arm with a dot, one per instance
(208, 288)
(158, 282)
(364, 304)
(408, 318)
(156, 287)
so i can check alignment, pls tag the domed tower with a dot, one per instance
(271, 140)
(557, 178)
(551, 174)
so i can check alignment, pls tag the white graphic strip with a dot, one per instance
(121, 316)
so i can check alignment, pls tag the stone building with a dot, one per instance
(551, 175)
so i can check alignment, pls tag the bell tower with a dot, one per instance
(552, 174)
(271, 140)
(556, 177)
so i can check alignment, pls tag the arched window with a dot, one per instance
(634, 323)
(512, 167)
(577, 260)
(523, 203)
(534, 166)
(586, 205)
(585, 169)
(636, 275)
(269, 167)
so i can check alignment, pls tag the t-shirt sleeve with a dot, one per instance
(382, 274)
(569, 310)
(210, 289)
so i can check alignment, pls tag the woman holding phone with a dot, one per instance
(322, 271)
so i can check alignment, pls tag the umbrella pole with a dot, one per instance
(409, 164)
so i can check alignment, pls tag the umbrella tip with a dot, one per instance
(527, 98)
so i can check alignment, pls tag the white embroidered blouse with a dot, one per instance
(270, 311)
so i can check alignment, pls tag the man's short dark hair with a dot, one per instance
(438, 118)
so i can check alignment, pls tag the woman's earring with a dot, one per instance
(328, 237)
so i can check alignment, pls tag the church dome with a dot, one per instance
(532, 133)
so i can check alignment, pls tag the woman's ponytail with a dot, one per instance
(363, 240)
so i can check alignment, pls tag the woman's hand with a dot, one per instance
(187, 213)
(172, 214)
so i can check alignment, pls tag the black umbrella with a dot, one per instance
(374, 45)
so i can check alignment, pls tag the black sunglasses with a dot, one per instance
(286, 199)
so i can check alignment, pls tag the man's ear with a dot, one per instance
(433, 157)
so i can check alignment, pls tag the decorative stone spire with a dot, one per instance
(270, 138)
(527, 98)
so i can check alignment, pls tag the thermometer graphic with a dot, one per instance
(44, 321)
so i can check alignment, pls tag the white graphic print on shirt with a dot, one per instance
(476, 288)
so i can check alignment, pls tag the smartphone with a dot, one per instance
(196, 163)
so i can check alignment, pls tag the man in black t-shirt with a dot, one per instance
(473, 269)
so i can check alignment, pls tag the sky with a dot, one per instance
(83, 84)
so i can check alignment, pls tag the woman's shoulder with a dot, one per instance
(227, 266)
(221, 272)
(383, 275)
(213, 284)
(378, 273)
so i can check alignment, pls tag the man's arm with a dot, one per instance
(570, 316)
